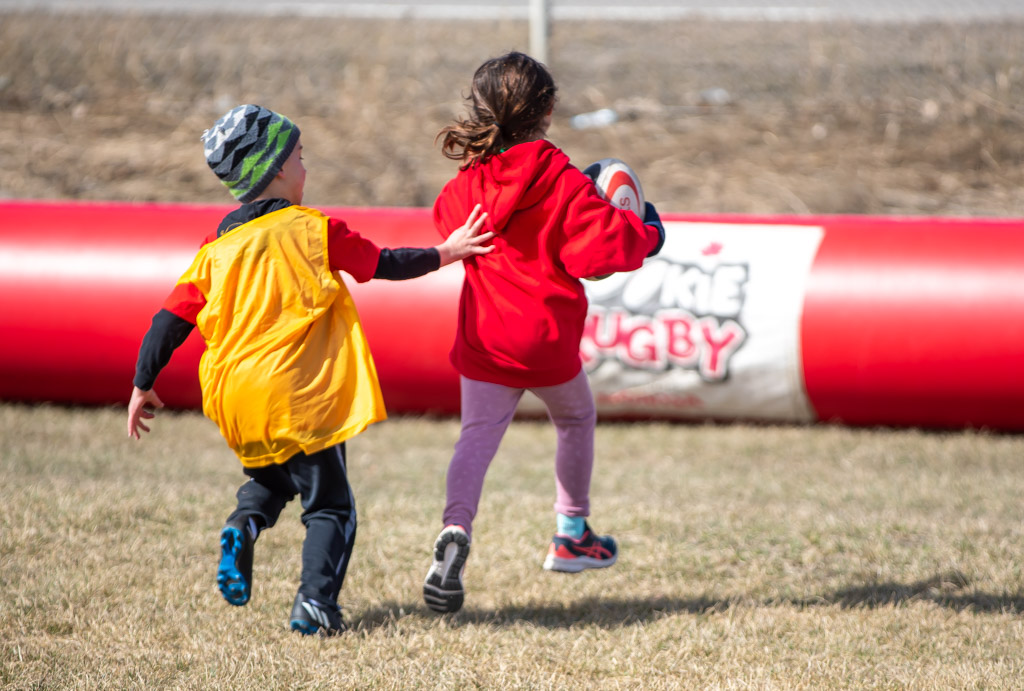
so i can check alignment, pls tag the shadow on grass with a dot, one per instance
(610, 612)
(946, 590)
(950, 589)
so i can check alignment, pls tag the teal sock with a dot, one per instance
(570, 525)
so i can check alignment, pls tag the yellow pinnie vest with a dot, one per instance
(287, 367)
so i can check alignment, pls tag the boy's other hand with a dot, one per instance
(466, 240)
(137, 410)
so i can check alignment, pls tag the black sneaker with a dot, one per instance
(589, 552)
(310, 617)
(234, 575)
(442, 589)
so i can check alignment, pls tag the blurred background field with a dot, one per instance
(753, 556)
(747, 117)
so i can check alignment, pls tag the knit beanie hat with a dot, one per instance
(247, 147)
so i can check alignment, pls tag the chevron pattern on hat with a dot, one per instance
(247, 146)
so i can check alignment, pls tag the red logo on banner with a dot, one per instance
(690, 320)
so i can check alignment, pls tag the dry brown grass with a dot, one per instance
(833, 118)
(752, 557)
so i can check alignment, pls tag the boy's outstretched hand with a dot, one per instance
(137, 411)
(465, 241)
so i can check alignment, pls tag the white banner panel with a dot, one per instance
(709, 328)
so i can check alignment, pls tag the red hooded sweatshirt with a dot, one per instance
(522, 308)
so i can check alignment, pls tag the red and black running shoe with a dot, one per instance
(589, 552)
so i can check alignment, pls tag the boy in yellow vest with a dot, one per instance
(287, 374)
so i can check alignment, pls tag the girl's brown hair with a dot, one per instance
(511, 95)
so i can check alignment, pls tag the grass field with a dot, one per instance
(751, 557)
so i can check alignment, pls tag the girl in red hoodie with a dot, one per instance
(523, 306)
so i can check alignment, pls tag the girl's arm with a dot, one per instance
(601, 239)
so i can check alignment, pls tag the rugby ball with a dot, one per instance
(618, 185)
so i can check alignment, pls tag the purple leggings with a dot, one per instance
(487, 410)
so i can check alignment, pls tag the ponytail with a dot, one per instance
(511, 96)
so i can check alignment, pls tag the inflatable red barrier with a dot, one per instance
(917, 322)
(859, 320)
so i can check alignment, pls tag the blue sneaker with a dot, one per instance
(442, 589)
(234, 575)
(311, 617)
